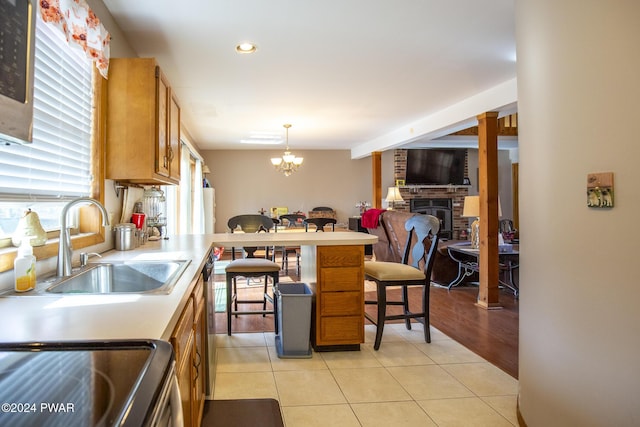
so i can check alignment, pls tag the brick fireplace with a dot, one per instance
(442, 201)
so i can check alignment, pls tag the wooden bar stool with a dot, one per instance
(249, 267)
(415, 270)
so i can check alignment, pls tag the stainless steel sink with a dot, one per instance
(147, 277)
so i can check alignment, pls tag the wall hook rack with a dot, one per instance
(117, 187)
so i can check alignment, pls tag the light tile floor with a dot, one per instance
(406, 383)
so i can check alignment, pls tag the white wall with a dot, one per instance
(578, 90)
(245, 182)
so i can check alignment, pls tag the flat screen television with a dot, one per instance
(435, 166)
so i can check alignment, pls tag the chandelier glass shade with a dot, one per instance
(288, 163)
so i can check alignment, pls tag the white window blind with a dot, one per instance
(57, 165)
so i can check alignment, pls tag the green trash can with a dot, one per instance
(293, 317)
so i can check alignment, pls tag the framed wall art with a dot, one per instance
(600, 190)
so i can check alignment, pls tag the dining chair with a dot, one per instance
(249, 266)
(320, 223)
(249, 223)
(285, 251)
(414, 270)
(292, 219)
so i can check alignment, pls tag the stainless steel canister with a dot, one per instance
(125, 236)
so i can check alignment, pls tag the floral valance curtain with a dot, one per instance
(81, 27)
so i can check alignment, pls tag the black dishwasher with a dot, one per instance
(92, 383)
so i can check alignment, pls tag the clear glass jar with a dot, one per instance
(154, 205)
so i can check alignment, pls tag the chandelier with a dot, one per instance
(288, 163)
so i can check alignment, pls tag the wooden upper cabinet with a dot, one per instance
(162, 124)
(174, 137)
(143, 124)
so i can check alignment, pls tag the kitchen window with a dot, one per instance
(57, 166)
(185, 201)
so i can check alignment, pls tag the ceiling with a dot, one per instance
(347, 74)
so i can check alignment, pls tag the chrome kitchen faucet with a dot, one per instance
(64, 246)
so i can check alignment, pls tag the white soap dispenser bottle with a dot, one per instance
(24, 267)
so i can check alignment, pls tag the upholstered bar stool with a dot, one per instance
(249, 267)
(414, 270)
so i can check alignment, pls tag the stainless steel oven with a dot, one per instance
(95, 383)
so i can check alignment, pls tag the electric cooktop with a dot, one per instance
(80, 384)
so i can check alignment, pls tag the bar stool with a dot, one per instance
(249, 267)
(415, 270)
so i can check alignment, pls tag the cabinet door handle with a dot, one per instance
(166, 162)
(197, 364)
(170, 154)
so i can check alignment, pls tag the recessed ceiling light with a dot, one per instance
(246, 48)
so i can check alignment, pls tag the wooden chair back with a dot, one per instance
(422, 234)
(250, 223)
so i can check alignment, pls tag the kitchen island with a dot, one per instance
(333, 266)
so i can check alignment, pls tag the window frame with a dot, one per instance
(90, 230)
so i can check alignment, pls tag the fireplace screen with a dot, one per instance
(441, 209)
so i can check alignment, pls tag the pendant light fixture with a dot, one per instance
(288, 163)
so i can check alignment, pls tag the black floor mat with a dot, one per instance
(242, 413)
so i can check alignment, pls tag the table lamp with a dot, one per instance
(472, 210)
(393, 197)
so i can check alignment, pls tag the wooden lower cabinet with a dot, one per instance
(339, 298)
(188, 340)
(200, 364)
(182, 340)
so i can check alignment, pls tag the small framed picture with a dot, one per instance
(600, 190)
(399, 182)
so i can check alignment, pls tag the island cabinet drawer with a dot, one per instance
(182, 333)
(341, 304)
(340, 256)
(341, 330)
(334, 279)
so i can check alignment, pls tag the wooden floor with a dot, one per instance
(492, 334)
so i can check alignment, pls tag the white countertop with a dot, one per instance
(99, 317)
(293, 237)
(124, 316)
